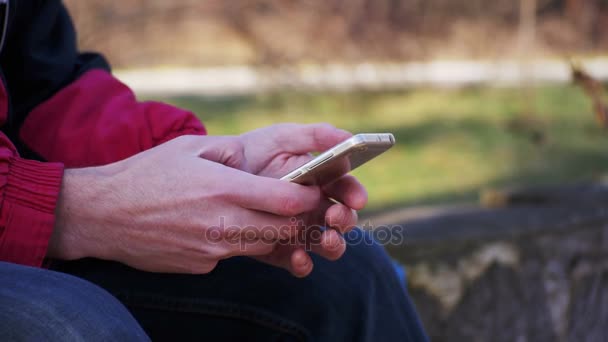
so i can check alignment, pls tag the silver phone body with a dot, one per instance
(341, 159)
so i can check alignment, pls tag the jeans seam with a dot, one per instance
(217, 309)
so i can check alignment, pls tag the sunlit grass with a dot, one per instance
(450, 143)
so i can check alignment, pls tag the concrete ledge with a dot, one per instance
(527, 272)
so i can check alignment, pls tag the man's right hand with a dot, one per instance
(178, 207)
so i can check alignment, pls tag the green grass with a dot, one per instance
(450, 143)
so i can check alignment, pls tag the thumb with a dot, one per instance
(265, 144)
(302, 139)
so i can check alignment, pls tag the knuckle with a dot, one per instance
(290, 205)
(281, 133)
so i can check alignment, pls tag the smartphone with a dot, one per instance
(341, 159)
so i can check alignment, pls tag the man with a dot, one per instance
(134, 198)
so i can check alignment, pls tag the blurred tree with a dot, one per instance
(148, 32)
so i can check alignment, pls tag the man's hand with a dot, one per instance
(276, 150)
(185, 205)
(170, 210)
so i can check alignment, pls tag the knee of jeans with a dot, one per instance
(365, 264)
(57, 306)
(365, 249)
(356, 286)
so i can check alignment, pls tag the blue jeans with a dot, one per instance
(357, 298)
(42, 305)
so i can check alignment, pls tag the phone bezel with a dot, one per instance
(350, 145)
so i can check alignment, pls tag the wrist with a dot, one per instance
(81, 208)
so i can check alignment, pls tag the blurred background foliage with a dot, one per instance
(218, 32)
(452, 143)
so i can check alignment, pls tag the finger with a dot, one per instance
(341, 218)
(316, 217)
(330, 214)
(275, 196)
(328, 244)
(325, 242)
(347, 190)
(300, 263)
(289, 257)
(301, 139)
(251, 225)
(293, 257)
(289, 164)
(331, 245)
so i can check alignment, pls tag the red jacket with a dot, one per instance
(65, 109)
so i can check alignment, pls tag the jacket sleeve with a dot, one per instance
(27, 211)
(66, 105)
(96, 120)
(28, 195)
